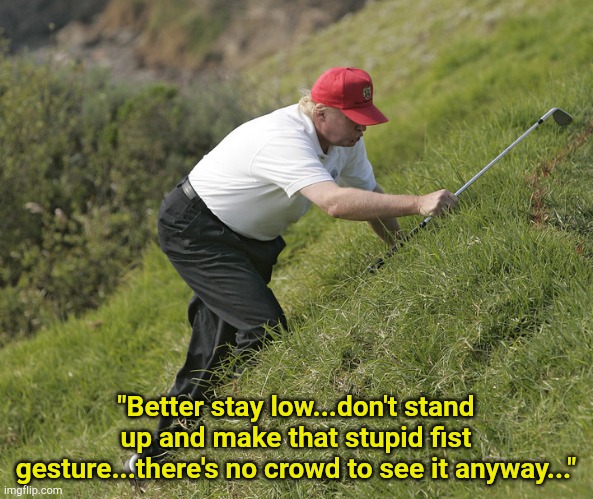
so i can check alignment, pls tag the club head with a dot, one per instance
(561, 117)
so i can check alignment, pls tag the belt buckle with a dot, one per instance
(188, 190)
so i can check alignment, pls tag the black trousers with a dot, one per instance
(232, 307)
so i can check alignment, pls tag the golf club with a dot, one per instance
(561, 117)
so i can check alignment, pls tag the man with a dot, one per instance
(221, 227)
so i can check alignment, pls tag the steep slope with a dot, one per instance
(492, 301)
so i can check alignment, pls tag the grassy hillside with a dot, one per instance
(493, 301)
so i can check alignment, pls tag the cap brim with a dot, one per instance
(368, 115)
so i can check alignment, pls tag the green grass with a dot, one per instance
(493, 300)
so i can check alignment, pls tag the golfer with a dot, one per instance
(221, 227)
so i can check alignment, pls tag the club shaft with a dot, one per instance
(495, 160)
(492, 163)
(380, 262)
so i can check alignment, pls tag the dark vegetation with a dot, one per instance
(84, 166)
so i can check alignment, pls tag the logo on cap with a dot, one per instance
(367, 93)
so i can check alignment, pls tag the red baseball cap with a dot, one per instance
(351, 91)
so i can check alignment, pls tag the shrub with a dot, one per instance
(84, 166)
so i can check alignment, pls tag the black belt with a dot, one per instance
(193, 196)
(188, 190)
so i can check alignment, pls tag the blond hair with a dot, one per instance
(308, 106)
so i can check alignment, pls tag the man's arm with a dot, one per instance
(371, 206)
(387, 229)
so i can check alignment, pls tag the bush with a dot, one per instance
(84, 166)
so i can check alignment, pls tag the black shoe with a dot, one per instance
(130, 468)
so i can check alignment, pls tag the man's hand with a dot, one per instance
(436, 203)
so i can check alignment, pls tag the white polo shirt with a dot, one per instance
(251, 179)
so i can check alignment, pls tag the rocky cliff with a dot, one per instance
(143, 39)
